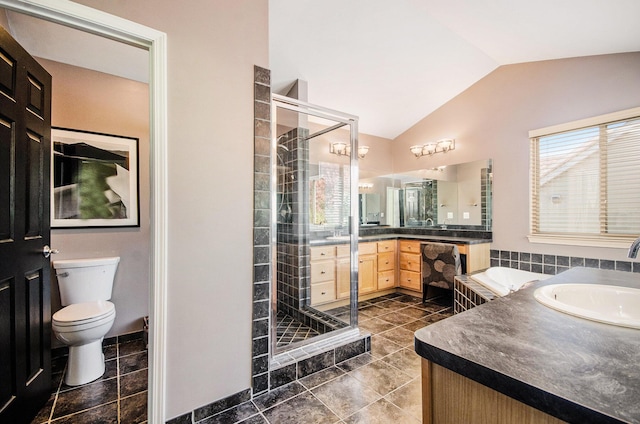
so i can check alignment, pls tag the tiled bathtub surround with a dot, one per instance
(554, 264)
(119, 396)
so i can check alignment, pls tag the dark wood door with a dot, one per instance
(25, 309)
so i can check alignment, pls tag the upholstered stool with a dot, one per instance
(440, 264)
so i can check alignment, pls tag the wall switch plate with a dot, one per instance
(449, 215)
(465, 215)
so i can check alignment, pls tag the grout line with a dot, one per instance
(118, 378)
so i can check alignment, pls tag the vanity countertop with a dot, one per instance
(571, 368)
(394, 236)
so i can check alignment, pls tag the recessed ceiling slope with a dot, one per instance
(393, 63)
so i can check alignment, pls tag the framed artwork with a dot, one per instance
(94, 180)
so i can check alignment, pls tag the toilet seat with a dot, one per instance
(79, 316)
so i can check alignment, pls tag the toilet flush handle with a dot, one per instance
(47, 251)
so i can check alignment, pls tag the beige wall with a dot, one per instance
(93, 101)
(212, 48)
(492, 118)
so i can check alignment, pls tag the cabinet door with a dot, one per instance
(343, 277)
(367, 274)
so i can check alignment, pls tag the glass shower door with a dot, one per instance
(315, 236)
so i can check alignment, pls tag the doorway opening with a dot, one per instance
(90, 20)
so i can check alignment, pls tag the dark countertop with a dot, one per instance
(574, 369)
(394, 236)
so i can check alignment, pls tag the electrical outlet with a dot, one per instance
(449, 215)
(465, 215)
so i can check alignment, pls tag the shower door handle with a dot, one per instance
(47, 251)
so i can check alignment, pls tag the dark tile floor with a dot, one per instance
(119, 396)
(289, 330)
(378, 387)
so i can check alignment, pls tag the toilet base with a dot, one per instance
(85, 364)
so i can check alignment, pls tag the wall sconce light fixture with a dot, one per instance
(441, 146)
(343, 149)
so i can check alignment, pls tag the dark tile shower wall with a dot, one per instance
(261, 230)
(293, 223)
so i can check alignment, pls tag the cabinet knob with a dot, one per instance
(323, 293)
(323, 272)
(386, 263)
(408, 279)
(361, 261)
(322, 254)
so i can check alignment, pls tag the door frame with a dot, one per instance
(94, 21)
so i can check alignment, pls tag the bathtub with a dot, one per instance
(503, 280)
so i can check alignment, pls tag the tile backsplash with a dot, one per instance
(554, 264)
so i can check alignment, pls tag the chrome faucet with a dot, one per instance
(427, 221)
(633, 249)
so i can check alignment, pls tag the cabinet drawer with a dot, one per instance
(386, 261)
(367, 248)
(386, 280)
(323, 252)
(323, 292)
(323, 271)
(410, 280)
(410, 262)
(463, 249)
(386, 246)
(410, 246)
(343, 250)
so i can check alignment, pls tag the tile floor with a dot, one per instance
(119, 396)
(289, 330)
(378, 387)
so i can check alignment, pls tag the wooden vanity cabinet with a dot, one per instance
(386, 264)
(323, 274)
(410, 265)
(343, 271)
(367, 268)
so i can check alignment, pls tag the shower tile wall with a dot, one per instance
(293, 223)
(261, 230)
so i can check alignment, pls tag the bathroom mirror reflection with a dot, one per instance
(312, 191)
(457, 196)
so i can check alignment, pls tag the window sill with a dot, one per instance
(616, 242)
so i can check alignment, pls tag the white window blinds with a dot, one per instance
(586, 178)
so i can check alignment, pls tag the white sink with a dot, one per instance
(339, 238)
(613, 305)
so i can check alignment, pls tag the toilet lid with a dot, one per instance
(83, 313)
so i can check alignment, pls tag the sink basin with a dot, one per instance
(613, 305)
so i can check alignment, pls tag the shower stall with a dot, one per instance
(314, 196)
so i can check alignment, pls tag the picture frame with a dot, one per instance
(94, 179)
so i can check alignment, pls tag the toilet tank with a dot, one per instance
(85, 280)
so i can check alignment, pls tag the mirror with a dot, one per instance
(369, 211)
(458, 195)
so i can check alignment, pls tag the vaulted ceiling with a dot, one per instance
(394, 62)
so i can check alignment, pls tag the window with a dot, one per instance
(585, 180)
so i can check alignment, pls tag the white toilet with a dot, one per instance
(85, 289)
